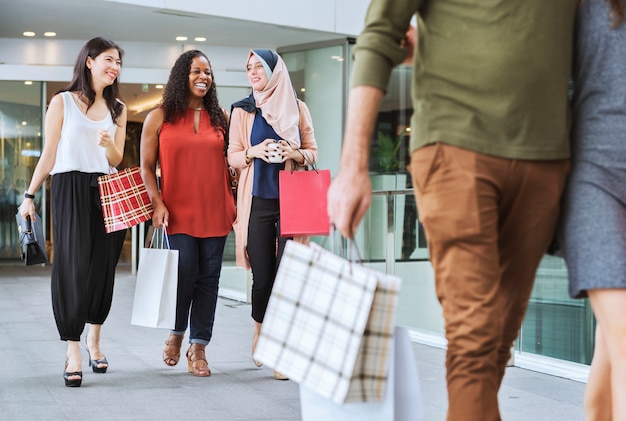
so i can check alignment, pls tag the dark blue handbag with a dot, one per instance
(31, 240)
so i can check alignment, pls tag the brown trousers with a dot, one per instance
(488, 222)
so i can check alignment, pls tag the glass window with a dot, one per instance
(318, 76)
(556, 325)
(20, 148)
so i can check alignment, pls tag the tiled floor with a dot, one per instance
(138, 386)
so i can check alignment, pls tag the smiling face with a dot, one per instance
(200, 77)
(256, 73)
(105, 67)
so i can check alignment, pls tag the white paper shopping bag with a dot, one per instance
(403, 398)
(154, 304)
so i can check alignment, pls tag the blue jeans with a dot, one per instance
(199, 267)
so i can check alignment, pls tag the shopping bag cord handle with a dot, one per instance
(164, 240)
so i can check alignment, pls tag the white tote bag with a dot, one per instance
(403, 397)
(157, 284)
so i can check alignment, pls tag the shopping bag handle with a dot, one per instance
(161, 240)
(312, 165)
(353, 249)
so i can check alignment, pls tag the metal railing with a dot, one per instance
(390, 255)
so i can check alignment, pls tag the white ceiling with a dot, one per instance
(84, 19)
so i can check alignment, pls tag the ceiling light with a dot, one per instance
(302, 89)
(24, 123)
(49, 34)
(199, 39)
(29, 34)
(180, 38)
(28, 82)
(158, 86)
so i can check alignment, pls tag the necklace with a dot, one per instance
(196, 109)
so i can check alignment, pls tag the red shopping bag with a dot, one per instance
(124, 198)
(303, 202)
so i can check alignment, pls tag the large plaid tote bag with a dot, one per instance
(329, 324)
(124, 198)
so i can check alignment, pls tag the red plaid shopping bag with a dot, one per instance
(125, 200)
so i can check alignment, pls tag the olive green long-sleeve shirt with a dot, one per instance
(489, 76)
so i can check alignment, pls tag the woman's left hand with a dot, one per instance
(105, 139)
(287, 152)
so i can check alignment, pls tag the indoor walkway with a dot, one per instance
(138, 385)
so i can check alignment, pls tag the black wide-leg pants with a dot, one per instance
(265, 249)
(85, 256)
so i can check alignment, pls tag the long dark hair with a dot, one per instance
(81, 81)
(617, 11)
(176, 94)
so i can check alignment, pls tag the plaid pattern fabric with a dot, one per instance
(329, 324)
(124, 198)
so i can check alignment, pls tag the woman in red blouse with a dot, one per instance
(187, 136)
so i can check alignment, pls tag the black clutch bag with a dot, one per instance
(31, 240)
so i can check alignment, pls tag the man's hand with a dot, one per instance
(349, 197)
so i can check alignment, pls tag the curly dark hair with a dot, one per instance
(176, 94)
(81, 81)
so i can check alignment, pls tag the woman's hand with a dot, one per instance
(288, 152)
(264, 151)
(283, 149)
(160, 214)
(27, 208)
(104, 139)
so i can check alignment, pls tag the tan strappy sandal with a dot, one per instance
(171, 352)
(196, 361)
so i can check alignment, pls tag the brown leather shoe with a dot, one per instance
(171, 352)
(196, 361)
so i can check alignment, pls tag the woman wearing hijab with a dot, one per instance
(270, 130)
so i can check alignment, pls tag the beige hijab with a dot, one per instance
(278, 101)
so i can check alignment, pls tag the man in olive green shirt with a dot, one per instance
(489, 160)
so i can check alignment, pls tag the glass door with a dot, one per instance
(20, 147)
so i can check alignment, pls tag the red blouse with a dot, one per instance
(194, 182)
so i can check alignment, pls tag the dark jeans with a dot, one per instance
(199, 267)
(265, 249)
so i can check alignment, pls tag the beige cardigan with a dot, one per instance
(239, 141)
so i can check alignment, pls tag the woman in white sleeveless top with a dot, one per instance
(84, 137)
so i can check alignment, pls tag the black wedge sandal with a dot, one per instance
(72, 382)
(94, 364)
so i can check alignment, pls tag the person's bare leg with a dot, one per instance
(257, 332)
(93, 345)
(73, 372)
(74, 359)
(597, 401)
(609, 306)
